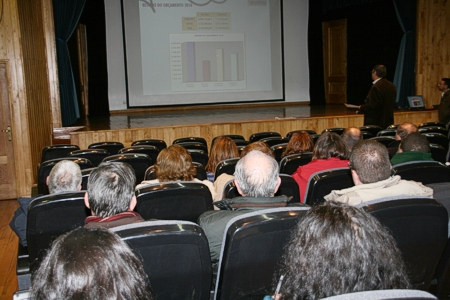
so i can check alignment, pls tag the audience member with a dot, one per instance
(90, 264)
(174, 163)
(414, 147)
(110, 196)
(330, 152)
(64, 177)
(337, 249)
(257, 180)
(221, 181)
(351, 136)
(403, 130)
(371, 173)
(300, 142)
(223, 148)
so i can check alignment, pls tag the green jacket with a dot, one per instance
(410, 156)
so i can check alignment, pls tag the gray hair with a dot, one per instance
(65, 176)
(257, 174)
(111, 188)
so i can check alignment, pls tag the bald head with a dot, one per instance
(351, 136)
(404, 129)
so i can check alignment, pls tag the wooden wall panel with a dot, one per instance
(433, 47)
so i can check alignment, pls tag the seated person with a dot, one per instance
(223, 148)
(90, 263)
(351, 136)
(174, 163)
(403, 130)
(337, 249)
(110, 196)
(300, 142)
(221, 181)
(371, 173)
(413, 147)
(257, 180)
(330, 152)
(64, 177)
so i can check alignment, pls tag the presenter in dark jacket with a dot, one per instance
(379, 106)
(444, 106)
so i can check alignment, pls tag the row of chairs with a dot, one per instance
(176, 253)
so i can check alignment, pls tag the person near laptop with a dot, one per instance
(444, 106)
(379, 104)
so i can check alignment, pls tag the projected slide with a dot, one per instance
(203, 51)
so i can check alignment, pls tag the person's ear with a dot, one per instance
(132, 203)
(238, 187)
(46, 180)
(278, 185)
(86, 200)
(79, 188)
(355, 178)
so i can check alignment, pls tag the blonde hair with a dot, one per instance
(174, 163)
(223, 148)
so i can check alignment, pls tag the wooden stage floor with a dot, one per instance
(210, 121)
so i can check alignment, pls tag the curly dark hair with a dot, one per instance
(338, 249)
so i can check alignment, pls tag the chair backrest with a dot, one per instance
(384, 295)
(337, 130)
(435, 129)
(315, 137)
(437, 138)
(393, 126)
(426, 124)
(191, 139)
(57, 151)
(22, 295)
(252, 247)
(160, 144)
(138, 161)
(290, 163)
(226, 166)
(50, 216)
(96, 156)
(200, 175)
(420, 228)
(423, 171)
(175, 256)
(373, 129)
(366, 135)
(176, 200)
(46, 167)
(199, 156)
(322, 183)
(85, 177)
(112, 147)
(262, 135)
(278, 151)
(151, 151)
(276, 140)
(438, 153)
(385, 140)
(241, 143)
(309, 131)
(387, 132)
(194, 145)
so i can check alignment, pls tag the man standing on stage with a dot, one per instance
(444, 106)
(379, 106)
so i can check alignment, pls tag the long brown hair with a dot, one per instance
(300, 142)
(174, 163)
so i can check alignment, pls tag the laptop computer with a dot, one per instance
(416, 102)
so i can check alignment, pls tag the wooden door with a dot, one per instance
(7, 172)
(334, 35)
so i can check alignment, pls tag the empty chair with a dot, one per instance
(262, 135)
(95, 156)
(151, 151)
(194, 145)
(385, 140)
(420, 228)
(48, 217)
(423, 171)
(226, 166)
(191, 140)
(278, 150)
(242, 143)
(290, 133)
(198, 156)
(426, 124)
(387, 132)
(175, 200)
(57, 151)
(322, 183)
(384, 295)
(289, 164)
(366, 135)
(46, 167)
(433, 129)
(272, 141)
(175, 256)
(437, 138)
(160, 144)
(337, 130)
(85, 173)
(200, 172)
(373, 129)
(438, 153)
(252, 247)
(138, 161)
(112, 147)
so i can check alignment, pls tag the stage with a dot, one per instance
(169, 124)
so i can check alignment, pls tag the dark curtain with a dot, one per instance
(405, 71)
(66, 15)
